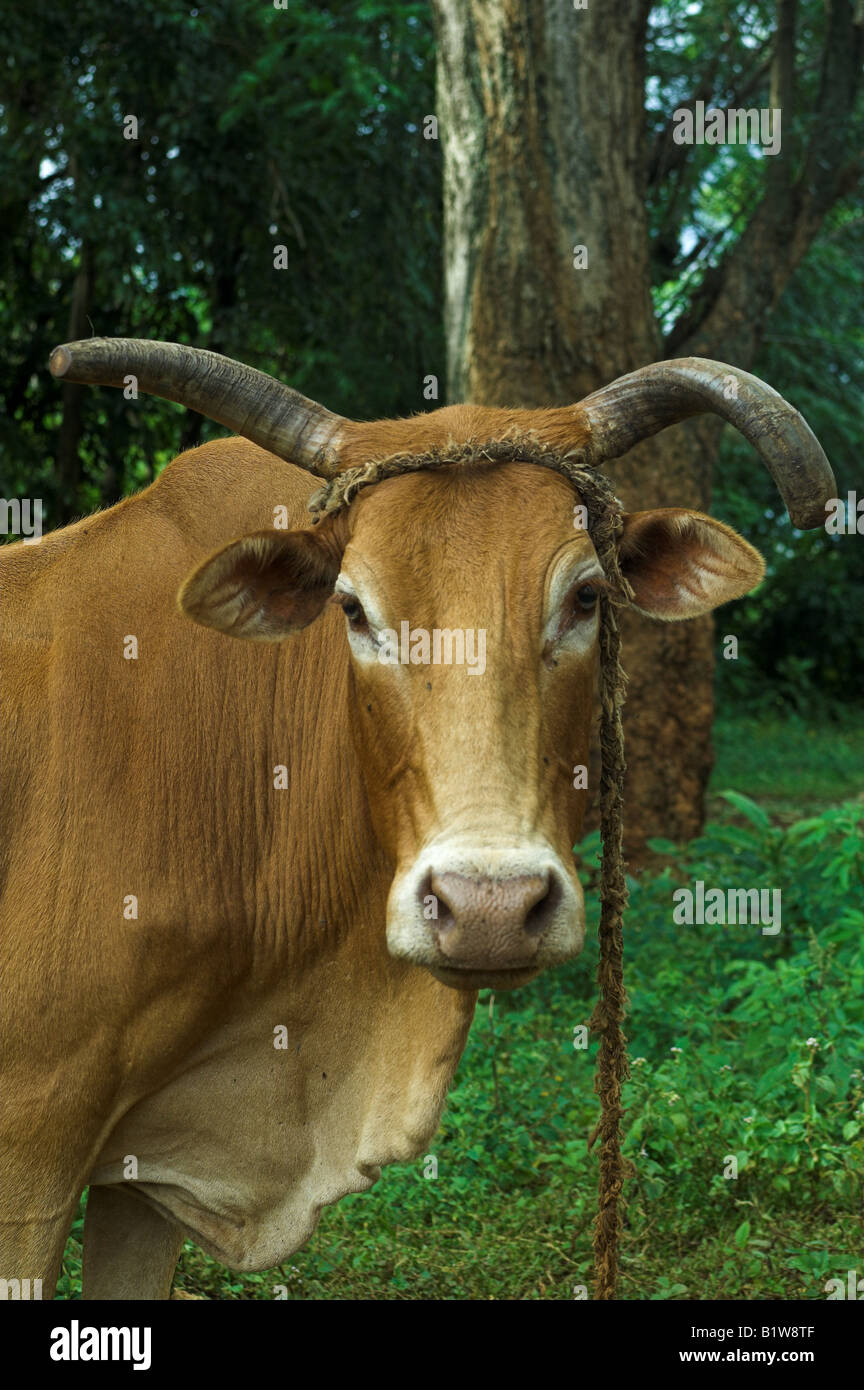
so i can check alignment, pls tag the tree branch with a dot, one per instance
(666, 156)
(730, 309)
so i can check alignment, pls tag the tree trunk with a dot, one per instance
(67, 461)
(540, 113)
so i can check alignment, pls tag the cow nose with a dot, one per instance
(487, 921)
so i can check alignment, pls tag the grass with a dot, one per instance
(788, 765)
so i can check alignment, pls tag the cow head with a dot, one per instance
(470, 607)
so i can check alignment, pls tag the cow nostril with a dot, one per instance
(540, 915)
(521, 902)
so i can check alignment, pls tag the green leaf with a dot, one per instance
(742, 1235)
(748, 808)
(665, 1291)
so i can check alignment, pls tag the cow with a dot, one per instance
(251, 888)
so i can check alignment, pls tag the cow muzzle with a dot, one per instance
(484, 917)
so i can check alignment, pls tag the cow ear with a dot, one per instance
(263, 587)
(681, 564)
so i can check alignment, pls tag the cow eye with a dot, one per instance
(586, 597)
(355, 614)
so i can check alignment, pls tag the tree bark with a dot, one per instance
(540, 110)
(67, 460)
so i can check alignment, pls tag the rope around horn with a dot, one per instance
(604, 526)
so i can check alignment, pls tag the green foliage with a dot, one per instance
(701, 198)
(257, 128)
(801, 634)
(800, 642)
(789, 763)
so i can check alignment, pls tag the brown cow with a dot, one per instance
(227, 997)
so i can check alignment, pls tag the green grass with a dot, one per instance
(789, 763)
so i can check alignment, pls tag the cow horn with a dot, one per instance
(245, 400)
(646, 401)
